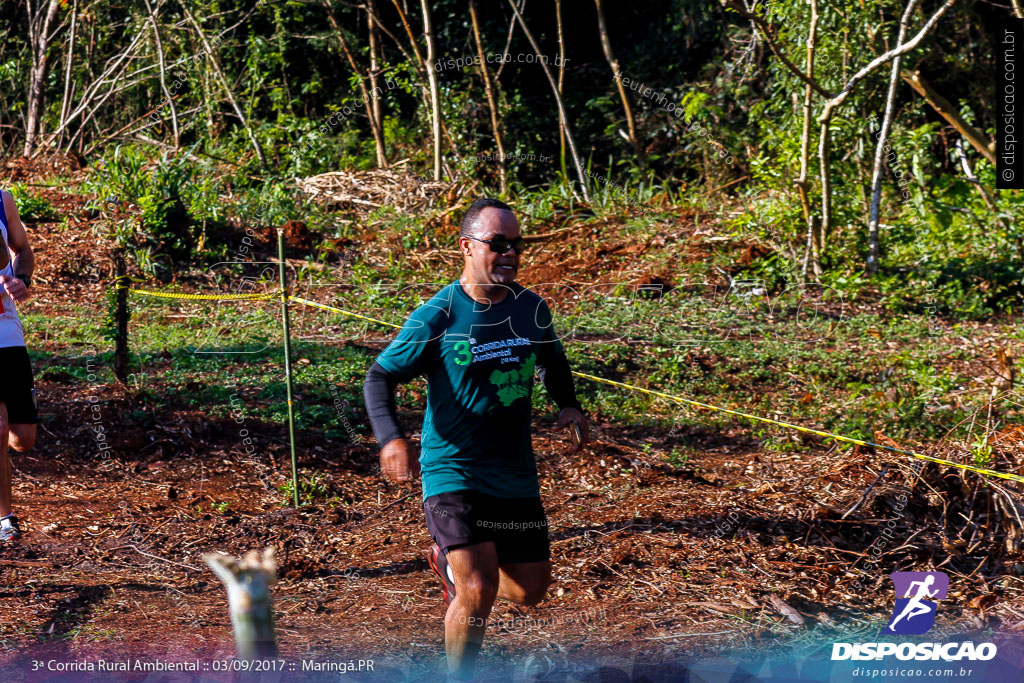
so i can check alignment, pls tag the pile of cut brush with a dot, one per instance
(361, 192)
(923, 516)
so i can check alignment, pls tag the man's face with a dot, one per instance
(489, 267)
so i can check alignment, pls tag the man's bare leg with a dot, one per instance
(22, 436)
(5, 464)
(475, 569)
(525, 583)
(479, 580)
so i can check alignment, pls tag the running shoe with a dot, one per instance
(9, 533)
(439, 564)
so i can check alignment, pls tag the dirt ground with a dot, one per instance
(112, 558)
(737, 549)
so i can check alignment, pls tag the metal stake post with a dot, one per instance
(288, 366)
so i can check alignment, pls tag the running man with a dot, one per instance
(17, 394)
(478, 341)
(914, 607)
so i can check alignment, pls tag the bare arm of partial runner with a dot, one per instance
(398, 459)
(17, 242)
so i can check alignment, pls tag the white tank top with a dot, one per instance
(11, 332)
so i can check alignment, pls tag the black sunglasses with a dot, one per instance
(501, 244)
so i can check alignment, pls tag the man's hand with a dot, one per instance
(566, 416)
(15, 288)
(399, 460)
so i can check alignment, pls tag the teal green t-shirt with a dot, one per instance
(479, 360)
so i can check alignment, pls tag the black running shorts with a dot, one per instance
(517, 526)
(17, 390)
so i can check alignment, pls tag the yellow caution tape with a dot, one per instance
(130, 278)
(316, 304)
(206, 297)
(623, 385)
(680, 399)
(837, 437)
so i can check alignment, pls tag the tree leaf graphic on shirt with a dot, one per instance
(513, 384)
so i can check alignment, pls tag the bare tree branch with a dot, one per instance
(609, 55)
(946, 110)
(39, 38)
(558, 100)
(883, 135)
(435, 90)
(227, 89)
(811, 252)
(375, 126)
(491, 100)
(163, 77)
(825, 118)
(738, 7)
(900, 49)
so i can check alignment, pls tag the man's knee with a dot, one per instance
(536, 590)
(22, 437)
(478, 588)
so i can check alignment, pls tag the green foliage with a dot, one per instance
(152, 208)
(32, 207)
(677, 458)
(981, 451)
(110, 316)
(741, 115)
(312, 489)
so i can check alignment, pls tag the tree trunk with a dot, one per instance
(163, 77)
(373, 106)
(558, 101)
(435, 91)
(227, 88)
(421, 71)
(758, 21)
(561, 79)
(943, 108)
(39, 38)
(826, 115)
(491, 101)
(252, 614)
(65, 105)
(606, 45)
(871, 267)
(375, 128)
(810, 252)
(820, 235)
(412, 37)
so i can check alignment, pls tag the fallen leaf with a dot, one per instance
(785, 610)
(983, 601)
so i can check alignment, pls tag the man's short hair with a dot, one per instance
(472, 214)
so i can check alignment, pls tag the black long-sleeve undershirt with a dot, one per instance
(557, 379)
(379, 394)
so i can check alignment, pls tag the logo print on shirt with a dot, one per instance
(466, 356)
(514, 384)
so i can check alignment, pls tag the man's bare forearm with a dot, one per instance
(24, 262)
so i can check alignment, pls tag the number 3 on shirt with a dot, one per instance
(466, 356)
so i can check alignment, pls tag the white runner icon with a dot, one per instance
(915, 608)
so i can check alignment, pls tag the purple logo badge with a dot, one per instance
(914, 612)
